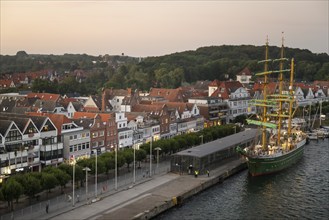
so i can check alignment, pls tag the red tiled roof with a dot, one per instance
(172, 95)
(215, 83)
(57, 119)
(245, 72)
(180, 106)
(147, 108)
(44, 96)
(5, 83)
(104, 116)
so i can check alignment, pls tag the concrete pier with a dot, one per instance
(151, 197)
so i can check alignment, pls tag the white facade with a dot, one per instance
(125, 134)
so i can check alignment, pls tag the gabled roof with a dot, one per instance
(86, 123)
(104, 116)
(214, 83)
(244, 72)
(46, 105)
(5, 83)
(4, 126)
(57, 119)
(172, 95)
(226, 88)
(322, 83)
(44, 96)
(202, 85)
(133, 115)
(20, 122)
(179, 106)
(155, 110)
(6, 105)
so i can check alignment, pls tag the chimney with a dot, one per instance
(129, 91)
(103, 99)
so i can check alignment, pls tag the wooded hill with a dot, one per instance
(169, 71)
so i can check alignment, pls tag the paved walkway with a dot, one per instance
(129, 201)
(61, 202)
(133, 202)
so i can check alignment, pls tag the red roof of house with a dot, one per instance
(215, 83)
(57, 119)
(104, 116)
(44, 96)
(5, 83)
(172, 95)
(245, 72)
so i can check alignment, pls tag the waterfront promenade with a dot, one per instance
(148, 197)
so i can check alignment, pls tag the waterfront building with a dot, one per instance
(212, 154)
(235, 95)
(213, 110)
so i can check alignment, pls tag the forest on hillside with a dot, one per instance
(169, 71)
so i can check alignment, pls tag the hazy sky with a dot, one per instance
(153, 28)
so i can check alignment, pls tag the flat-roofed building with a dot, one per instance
(212, 154)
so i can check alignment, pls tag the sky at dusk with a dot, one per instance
(155, 28)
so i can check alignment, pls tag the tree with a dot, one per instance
(62, 177)
(33, 186)
(129, 157)
(48, 181)
(12, 190)
(140, 155)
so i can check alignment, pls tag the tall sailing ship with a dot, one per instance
(281, 145)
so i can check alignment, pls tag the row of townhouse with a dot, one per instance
(238, 95)
(33, 140)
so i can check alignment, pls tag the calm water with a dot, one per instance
(300, 192)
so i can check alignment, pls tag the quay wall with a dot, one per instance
(179, 197)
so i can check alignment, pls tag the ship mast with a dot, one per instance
(265, 95)
(280, 93)
(291, 94)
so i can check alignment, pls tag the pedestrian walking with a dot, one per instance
(47, 206)
(78, 198)
(208, 172)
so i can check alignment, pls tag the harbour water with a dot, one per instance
(300, 192)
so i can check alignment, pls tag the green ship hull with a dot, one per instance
(258, 166)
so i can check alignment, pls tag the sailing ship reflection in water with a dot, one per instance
(299, 192)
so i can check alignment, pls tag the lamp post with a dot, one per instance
(73, 163)
(134, 162)
(87, 170)
(96, 176)
(116, 167)
(151, 156)
(157, 149)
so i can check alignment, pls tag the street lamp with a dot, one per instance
(96, 176)
(87, 170)
(116, 167)
(72, 161)
(157, 149)
(134, 161)
(151, 156)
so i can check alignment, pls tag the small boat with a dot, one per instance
(312, 135)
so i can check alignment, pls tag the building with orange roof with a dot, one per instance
(171, 95)
(7, 83)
